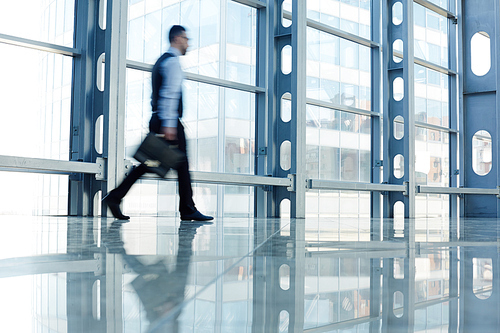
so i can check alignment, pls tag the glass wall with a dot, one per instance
(35, 96)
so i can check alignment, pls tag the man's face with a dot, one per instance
(183, 42)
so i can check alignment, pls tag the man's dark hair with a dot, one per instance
(175, 31)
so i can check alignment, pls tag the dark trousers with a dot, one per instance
(186, 204)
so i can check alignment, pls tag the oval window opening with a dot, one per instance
(284, 277)
(103, 6)
(98, 134)
(482, 157)
(286, 59)
(398, 86)
(399, 127)
(397, 13)
(286, 13)
(286, 107)
(100, 68)
(397, 51)
(397, 305)
(482, 277)
(480, 58)
(399, 166)
(285, 155)
(284, 321)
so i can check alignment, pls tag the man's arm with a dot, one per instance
(169, 95)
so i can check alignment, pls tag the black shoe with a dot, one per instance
(196, 216)
(114, 206)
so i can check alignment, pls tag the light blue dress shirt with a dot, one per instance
(171, 89)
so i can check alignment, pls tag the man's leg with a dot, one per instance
(114, 198)
(186, 204)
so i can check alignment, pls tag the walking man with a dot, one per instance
(166, 102)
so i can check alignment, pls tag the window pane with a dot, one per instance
(338, 71)
(353, 16)
(431, 36)
(39, 125)
(431, 97)
(46, 21)
(432, 157)
(234, 60)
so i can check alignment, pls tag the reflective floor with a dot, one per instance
(69, 274)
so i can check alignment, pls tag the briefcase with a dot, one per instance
(158, 155)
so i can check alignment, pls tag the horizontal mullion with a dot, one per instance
(231, 179)
(343, 108)
(360, 253)
(435, 67)
(40, 46)
(436, 9)
(318, 184)
(456, 190)
(431, 302)
(435, 127)
(201, 78)
(428, 64)
(15, 163)
(340, 33)
(252, 3)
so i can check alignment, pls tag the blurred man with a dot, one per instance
(166, 102)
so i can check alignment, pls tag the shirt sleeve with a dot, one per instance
(170, 92)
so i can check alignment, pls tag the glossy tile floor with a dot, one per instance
(69, 274)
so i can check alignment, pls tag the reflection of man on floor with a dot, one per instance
(166, 102)
(161, 292)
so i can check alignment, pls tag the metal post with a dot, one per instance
(453, 87)
(85, 111)
(263, 103)
(395, 106)
(293, 131)
(113, 96)
(376, 164)
(480, 104)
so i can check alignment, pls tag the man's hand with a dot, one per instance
(170, 133)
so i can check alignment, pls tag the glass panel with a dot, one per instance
(432, 157)
(338, 71)
(352, 16)
(440, 3)
(241, 43)
(38, 126)
(33, 194)
(46, 21)
(240, 132)
(338, 145)
(431, 36)
(235, 60)
(431, 97)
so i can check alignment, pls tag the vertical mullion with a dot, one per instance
(263, 62)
